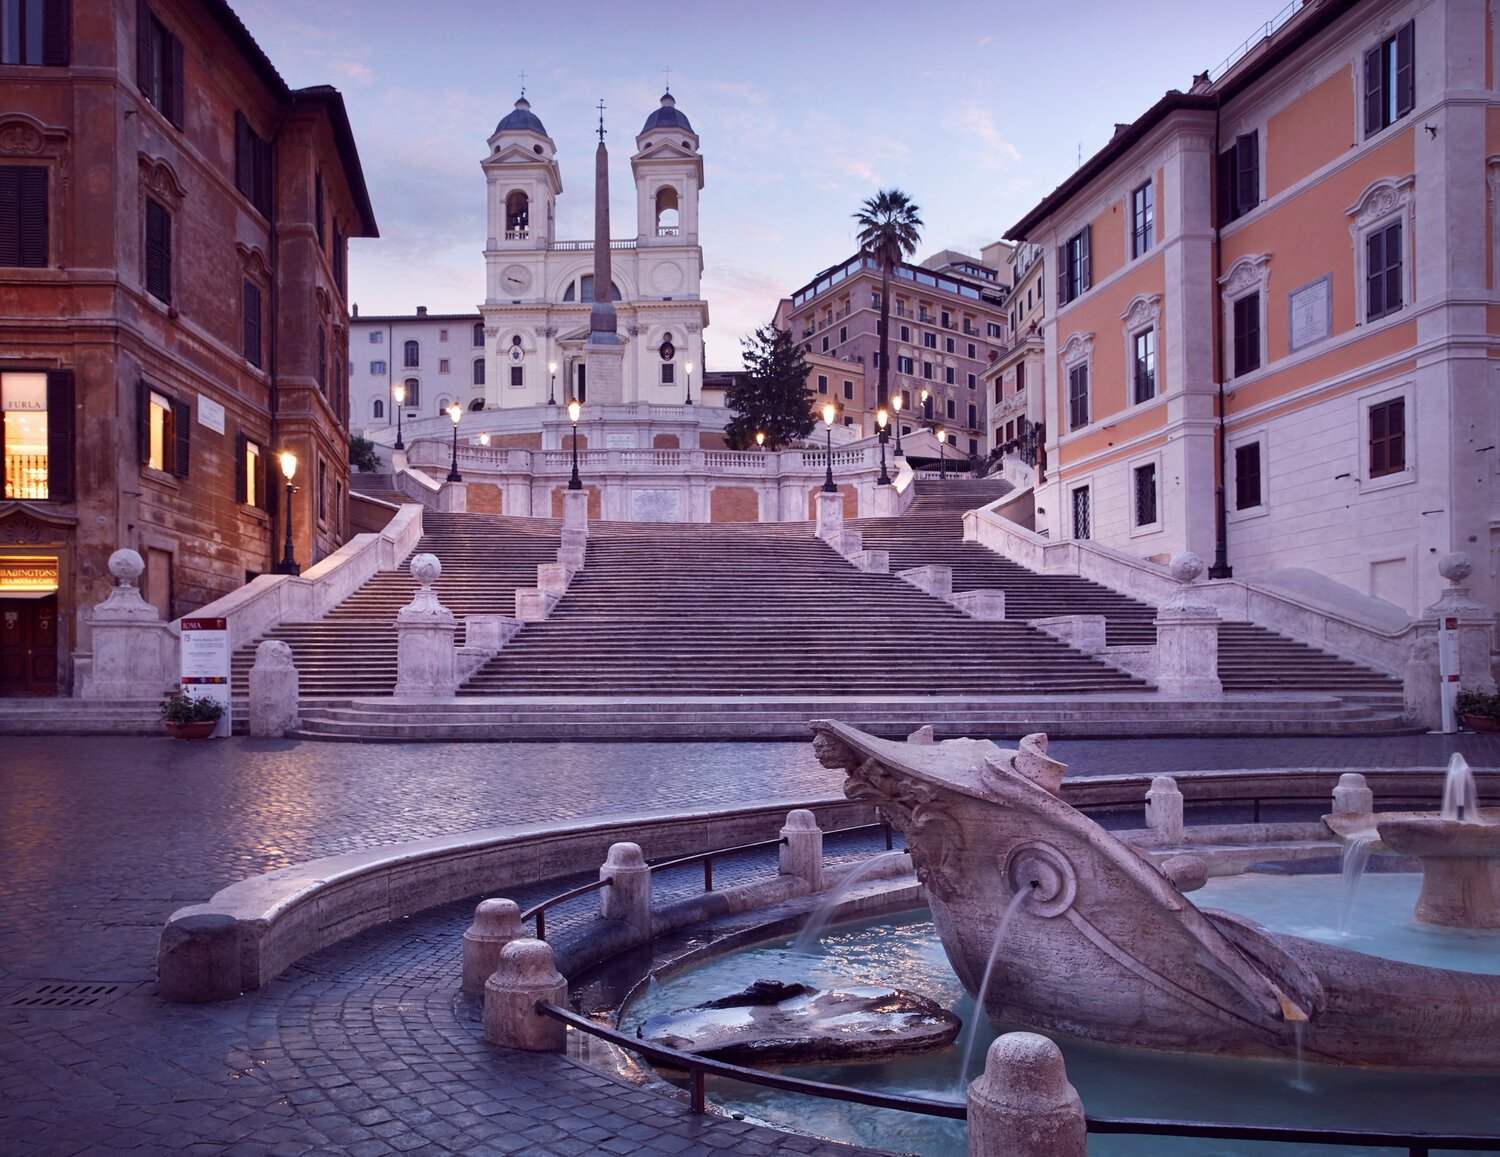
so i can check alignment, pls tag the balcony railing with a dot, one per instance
(517, 234)
(669, 230)
(587, 246)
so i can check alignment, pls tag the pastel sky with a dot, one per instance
(974, 108)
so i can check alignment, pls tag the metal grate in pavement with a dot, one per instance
(60, 994)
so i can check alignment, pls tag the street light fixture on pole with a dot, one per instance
(399, 390)
(288, 564)
(942, 437)
(896, 421)
(828, 486)
(881, 419)
(690, 383)
(455, 412)
(574, 409)
(760, 440)
(552, 385)
(925, 395)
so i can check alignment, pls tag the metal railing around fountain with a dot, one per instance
(539, 911)
(699, 1068)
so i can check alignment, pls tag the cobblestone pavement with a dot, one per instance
(363, 1048)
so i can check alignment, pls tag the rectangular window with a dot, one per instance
(906, 333)
(973, 380)
(951, 409)
(477, 375)
(411, 355)
(822, 383)
(376, 337)
(1388, 438)
(668, 373)
(323, 360)
(322, 490)
(1247, 476)
(948, 346)
(1073, 266)
(37, 435)
(927, 370)
(999, 389)
(1142, 219)
(252, 165)
(443, 365)
(318, 213)
(947, 322)
(1144, 346)
(950, 375)
(1383, 271)
(971, 350)
(992, 329)
(377, 368)
(1020, 377)
(848, 389)
(1078, 397)
(516, 376)
(825, 343)
(23, 216)
(249, 473)
(158, 64)
(1081, 513)
(251, 302)
(930, 340)
(1247, 334)
(164, 432)
(1390, 80)
(34, 32)
(904, 365)
(1239, 178)
(973, 416)
(340, 259)
(158, 250)
(843, 333)
(1145, 494)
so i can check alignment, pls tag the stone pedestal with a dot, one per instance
(135, 653)
(453, 497)
(274, 690)
(1022, 1104)
(1187, 638)
(1421, 681)
(605, 365)
(830, 514)
(533, 605)
(574, 549)
(935, 579)
(575, 514)
(496, 924)
(1164, 809)
(525, 973)
(424, 639)
(884, 502)
(198, 959)
(1352, 796)
(802, 848)
(1081, 632)
(553, 578)
(987, 604)
(628, 897)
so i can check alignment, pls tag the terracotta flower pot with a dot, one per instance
(1482, 723)
(200, 730)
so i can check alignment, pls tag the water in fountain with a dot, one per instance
(1460, 797)
(807, 940)
(971, 1030)
(1356, 855)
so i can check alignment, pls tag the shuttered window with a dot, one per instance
(252, 310)
(1388, 438)
(1247, 476)
(1078, 396)
(164, 430)
(36, 436)
(252, 165)
(1390, 80)
(158, 250)
(1239, 178)
(323, 360)
(1383, 271)
(1247, 334)
(158, 63)
(1073, 274)
(23, 216)
(34, 32)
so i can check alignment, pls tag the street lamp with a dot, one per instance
(574, 409)
(881, 418)
(690, 383)
(828, 486)
(455, 412)
(896, 405)
(484, 439)
(942, 437)
(552, 385)
(925, 414)
(760, 440)
(288, 564)
(399, 390)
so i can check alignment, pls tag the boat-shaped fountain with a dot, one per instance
(1104, 945)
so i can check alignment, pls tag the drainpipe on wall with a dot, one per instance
(1220, 568)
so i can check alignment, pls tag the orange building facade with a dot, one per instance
(173, 230)
(1272, 303)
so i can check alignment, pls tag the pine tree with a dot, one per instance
(772, 398)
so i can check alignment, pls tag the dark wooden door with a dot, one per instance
(28, 646)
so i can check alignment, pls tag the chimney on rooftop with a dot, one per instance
(421, 311)
(1200, 82)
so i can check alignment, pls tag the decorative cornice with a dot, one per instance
(161, 180)
(1144, 309)
(1382, 198)
(1079, 347)
(1249, 272)
(253, 261)
(22, 136)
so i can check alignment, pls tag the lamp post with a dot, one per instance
(484, 439)
(896, 405)
(288, 564)
(760, 440)
(881, 419)
(925, 395)
(690, 383)
(399, 391)
(942, 437)
(455, 412)
(574, 409)
(552, 384)
(828, 486)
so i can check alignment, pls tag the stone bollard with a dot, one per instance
(830, 515)
(1164, 809)
(1022, 1104)
(424, 639)
(496, 924)
(274, 690)
(1352, 796)
(802, 848)
(198, 959)
(628, 897)
(526, 973)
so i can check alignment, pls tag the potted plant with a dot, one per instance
(189, 717)
(1479, 711)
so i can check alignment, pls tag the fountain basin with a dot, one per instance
(1460, 860)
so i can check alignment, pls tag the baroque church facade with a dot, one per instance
(529, 343)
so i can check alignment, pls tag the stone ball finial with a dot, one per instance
(426, 568)
(1456, 567)
(126, 565)
(1186, 566)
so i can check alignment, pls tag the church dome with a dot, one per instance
(667, 117)
(521, 120)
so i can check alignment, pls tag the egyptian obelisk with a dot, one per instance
(604, 353)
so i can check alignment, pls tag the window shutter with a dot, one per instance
(244, 163)
(32, 216)
(173, 83)
(241, 479)
(1247, 165)
(323, 361)
(1225, 187)
(182, 422)
(143, 46)
(1375, 274)
(56, 32)
(1062, 275)
(270, 479)
(60, 440)
(260, 152)
(1396, 433)
(1393, 271)
(1374, 92)
(1406, 89)
(1084, 279)
(252, 323)
(158, 251)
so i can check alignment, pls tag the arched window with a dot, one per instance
(443, 402)
(583, 289)
(478, 335)
(478, 371)
(517, 216)
(413, 393)
(377, 409)
(667, 223)
(411, 355)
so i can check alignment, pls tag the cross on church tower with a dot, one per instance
(601, 120)
(523, 83)
(667, 72)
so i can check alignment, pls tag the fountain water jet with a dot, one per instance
(971, 1032)
(817, 923)
(1352, 867)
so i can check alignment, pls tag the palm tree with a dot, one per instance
(889, 229)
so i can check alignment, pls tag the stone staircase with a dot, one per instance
(381, 486)
(1252, 659)
(352, 652)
